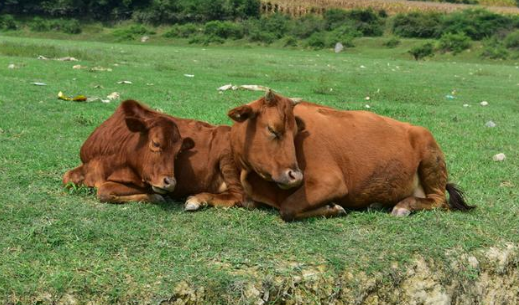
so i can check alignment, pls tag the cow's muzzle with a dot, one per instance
(167, 186)
(289, 179)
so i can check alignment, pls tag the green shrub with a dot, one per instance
(268, 28)
(183, 30)
(316, 41)
(416, 25)
(290, 41)
(344, 35)
(224, 29)
(305, 26)
(7, 22)
(39, 25)
(70, 26)
(367, 22)
(131, 33)
(477, 24)
(493, 48)
(455, 43)
(512, 40)
(422, 51)
(392, 42)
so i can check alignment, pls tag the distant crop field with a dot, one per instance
(61, 246)
(303, 7)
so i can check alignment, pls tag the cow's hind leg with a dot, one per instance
(432, 173)
(113, 192)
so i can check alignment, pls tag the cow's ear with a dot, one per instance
(300, 124)
(270, 97)
(136, 124)
(134, 109)
(187, 144)
(242, 113)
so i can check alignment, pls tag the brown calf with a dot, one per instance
(129, 157)
(351, 158)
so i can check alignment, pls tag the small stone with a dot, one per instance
(490, 124)
(499, 157)
(367, 98)
(466, 105)
(145, 38)
(11, 66)
(367, 106)
(338, 47)
(189, 75)
(484, 103)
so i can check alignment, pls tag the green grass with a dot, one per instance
(57, 243)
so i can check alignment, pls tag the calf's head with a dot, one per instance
(262, 139)
(158, 144)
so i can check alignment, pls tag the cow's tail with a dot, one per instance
(457, 199)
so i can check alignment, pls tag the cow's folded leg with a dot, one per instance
(224, 200)
(75, 176)
(311, 199)
(113, 192)
(410, 204)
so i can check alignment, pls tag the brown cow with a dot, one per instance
(206, 171)
(351, 158)
(129, 157)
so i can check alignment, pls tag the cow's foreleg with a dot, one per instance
(76, 176)
(231, 195)
(314, 197)
(113, 192)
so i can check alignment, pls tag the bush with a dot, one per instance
(183, 30)
(392, 42)
(344, 35)
(305, 26)
(477, 24)
(367, 22)
(70, 26)
(224, 29)
(290, 41)
(267, 29)
(512, 40)
(132, 32)
(39, 25)
(416, 25)
(494, 49)
(316, 41)
(422, 51)
(455, 43)
(7, 22)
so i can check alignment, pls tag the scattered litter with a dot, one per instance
(150, 84)
(490, 124)
(113, 96)
(98, 87)
(244, 87)
(78, 67)
(145, 38)
(225, 87)
(77, 98)
(11, 66)
(338, 47)
(367, 98)
(189, 75)
(367, 106)
(101, 69)
(39, 84)
(449, 97)
(124, 82)
(484, 103)
(115, 65)
(499, 157)
(42, 57)
(67, 58)
(362, 67)
(97, 99)
(466, 105)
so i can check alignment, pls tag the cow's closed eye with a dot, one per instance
(273, 132)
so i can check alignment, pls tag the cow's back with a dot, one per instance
(107, 139)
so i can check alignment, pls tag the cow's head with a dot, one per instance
(158, 145)
(262, 139)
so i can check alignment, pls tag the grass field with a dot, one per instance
(65, 246)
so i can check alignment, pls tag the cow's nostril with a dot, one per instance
(291, 175)
(168, 181)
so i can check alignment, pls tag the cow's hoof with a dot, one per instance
(192, 204)
(400, 212)
(156, 198)
(338, 209)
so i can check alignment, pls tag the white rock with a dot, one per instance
(499, 157)
(367, 106)
(145, 38)
(466, 105)
(225, 87)
(113, 96)
(189, 75)
(338, 47)
(484, 103)
(490, 124)
(11, 66)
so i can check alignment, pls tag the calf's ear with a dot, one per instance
(187, 144)
(135, 124)
(242, 113)
(300, 124)
(134, 108)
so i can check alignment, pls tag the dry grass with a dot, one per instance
(303, 7)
